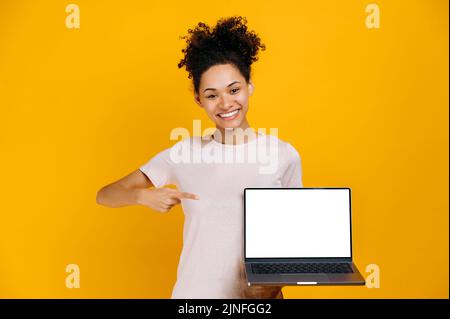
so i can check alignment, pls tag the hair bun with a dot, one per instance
(231, 34)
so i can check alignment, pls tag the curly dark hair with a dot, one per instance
(229, 42)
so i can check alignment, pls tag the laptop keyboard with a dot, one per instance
(301, 268)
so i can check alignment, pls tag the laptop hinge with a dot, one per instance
(297, 260)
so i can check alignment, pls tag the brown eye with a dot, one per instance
(235, 90)
(210, 96)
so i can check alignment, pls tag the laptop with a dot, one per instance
(299, 236)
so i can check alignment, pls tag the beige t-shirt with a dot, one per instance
(212, 261)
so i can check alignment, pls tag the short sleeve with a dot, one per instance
(292, 174)
(159, 169)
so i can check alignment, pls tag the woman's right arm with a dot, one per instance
(125, 191)
(133, 189)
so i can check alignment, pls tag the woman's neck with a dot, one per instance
(231, 135)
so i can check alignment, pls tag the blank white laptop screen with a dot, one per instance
(297, 223)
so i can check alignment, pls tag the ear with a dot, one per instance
(197, 100)
(251, 87)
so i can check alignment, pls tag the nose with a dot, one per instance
(226, 103)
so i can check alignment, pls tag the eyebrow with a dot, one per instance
(227, 86)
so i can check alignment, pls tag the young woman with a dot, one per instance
(211, 191)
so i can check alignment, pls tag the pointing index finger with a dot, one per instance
(186, 195)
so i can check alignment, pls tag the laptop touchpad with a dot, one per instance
(303, 277)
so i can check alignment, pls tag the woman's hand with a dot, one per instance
(162, 199)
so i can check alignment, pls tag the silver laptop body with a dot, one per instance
(299, 236)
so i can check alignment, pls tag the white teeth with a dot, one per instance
(229, 114)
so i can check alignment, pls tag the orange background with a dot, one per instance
(365, 108)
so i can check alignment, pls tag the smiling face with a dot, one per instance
(224, 94)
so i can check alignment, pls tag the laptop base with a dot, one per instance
(310, 279)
